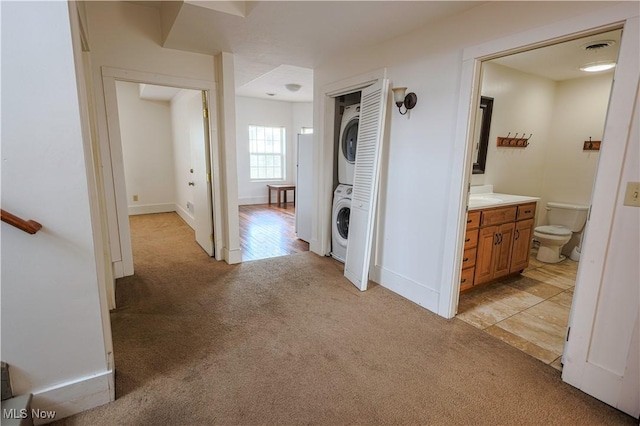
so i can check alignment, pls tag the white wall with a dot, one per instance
(523, 103)
(186, 117)
(52, 332)
(146, 132)
(302, 116)
(580, 110)
(561, 116)
(292, 116)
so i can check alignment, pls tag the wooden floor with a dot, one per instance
(269, 231)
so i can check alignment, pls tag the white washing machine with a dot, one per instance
(340, 221)
(348, 144)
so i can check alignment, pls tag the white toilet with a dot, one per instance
(564, 220)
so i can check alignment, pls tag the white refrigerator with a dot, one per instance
(304, 187)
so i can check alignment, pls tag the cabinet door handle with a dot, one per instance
(517, 234)
(495, 239)
(468, 220)
(465, 259)
(467, 240)
(527, 211)
(462, 281)
(500, 238)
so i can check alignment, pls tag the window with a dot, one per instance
(267, 152)
(306, 130)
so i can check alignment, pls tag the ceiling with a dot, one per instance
(151, 92)
(280, 42)
(563, 61)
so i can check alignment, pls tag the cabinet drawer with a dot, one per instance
(498, 216)
(471, 239)
(526, 211)
(473, 220)
(469, 258)
(466, 279)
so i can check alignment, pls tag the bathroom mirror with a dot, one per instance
(481, 134)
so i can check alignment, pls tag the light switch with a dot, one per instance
(632, 196)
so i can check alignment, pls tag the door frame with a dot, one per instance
(607, 181)
(119, 225)
(324, 150)
(582, 26)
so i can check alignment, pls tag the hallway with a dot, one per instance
(290, 341)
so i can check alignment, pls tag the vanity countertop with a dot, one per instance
(493, 199)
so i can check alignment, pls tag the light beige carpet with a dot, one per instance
(290, 341)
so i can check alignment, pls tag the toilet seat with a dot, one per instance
(551, 238)
(553, 230)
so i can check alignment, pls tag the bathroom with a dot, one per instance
(556, 112)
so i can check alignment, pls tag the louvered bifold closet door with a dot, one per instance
(365, 183)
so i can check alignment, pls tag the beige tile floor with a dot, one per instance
(529, 311)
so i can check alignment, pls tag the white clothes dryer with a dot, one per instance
(340, 222)
(348, 144)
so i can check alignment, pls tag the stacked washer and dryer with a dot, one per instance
(342, 194)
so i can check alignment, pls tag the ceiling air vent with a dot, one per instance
(597, 45)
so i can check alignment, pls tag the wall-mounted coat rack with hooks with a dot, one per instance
(591, 145)
(515, 141)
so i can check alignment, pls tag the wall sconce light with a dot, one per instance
(409, 101)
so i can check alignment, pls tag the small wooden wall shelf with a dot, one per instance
(513, 142)
(591, 146)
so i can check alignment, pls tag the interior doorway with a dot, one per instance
(560, 110)
(282, 225)
(274, 154)
(165, 147)
(114, 174)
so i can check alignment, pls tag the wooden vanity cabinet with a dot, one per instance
(501, 241)
(494, 245)
(469, 257)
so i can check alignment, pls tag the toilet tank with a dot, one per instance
(571, 216)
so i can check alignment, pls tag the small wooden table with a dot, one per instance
(281, 188)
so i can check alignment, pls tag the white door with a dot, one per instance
(602, 353)
(373, 107)
(201, 177)
(304, 187)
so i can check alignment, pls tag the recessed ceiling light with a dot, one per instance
(598, 66)
(271, 94)
(292, 87)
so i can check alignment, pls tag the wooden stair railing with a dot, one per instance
(28, 226)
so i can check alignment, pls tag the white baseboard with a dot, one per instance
(185, 215)
(316, 247)
(74, 397)
(407, 288)
(151, 208)
(232, 256)
(246, 201)
(118, 269)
